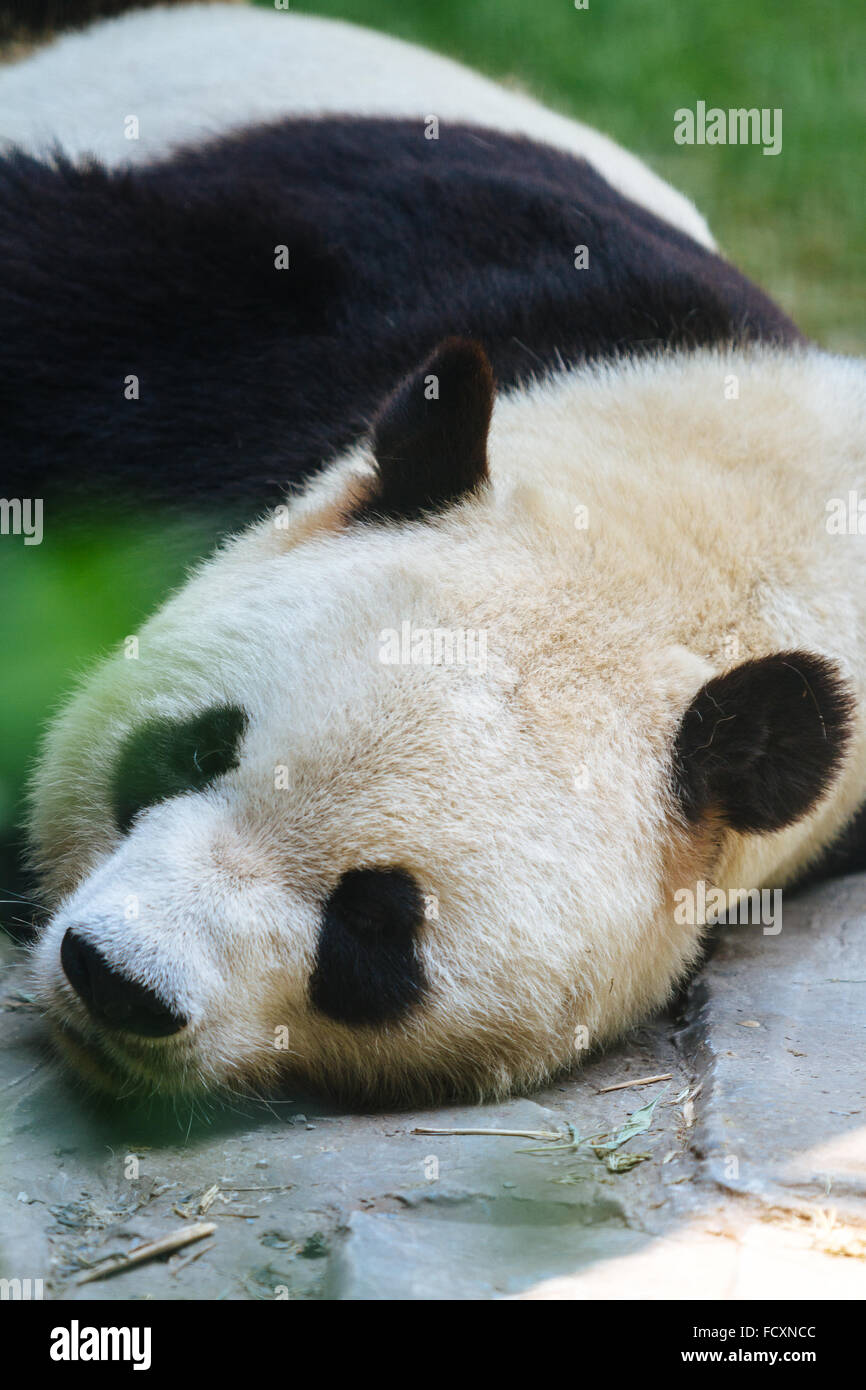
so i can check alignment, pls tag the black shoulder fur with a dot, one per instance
(251, 377)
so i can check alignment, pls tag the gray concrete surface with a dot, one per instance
(753, 1180)
(780, 1034)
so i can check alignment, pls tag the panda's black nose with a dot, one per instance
(111, 997)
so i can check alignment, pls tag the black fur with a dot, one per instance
(27, 18)
(367, 970)
(430, 437)
(760, 745)
(165, 758)
(251, 377)
(846, 855)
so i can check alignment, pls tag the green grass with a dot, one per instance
(795, 223)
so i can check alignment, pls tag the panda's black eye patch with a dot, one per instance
(166, 757)
(367, 969)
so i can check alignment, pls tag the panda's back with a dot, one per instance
(264, 291)
(135, 88)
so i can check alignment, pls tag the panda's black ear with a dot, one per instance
(430, 436)
(760, 745)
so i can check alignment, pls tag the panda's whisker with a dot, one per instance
(20, 898)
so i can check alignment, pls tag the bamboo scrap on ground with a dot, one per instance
(151, 1250)
(191, 1259)
(501, 1133)
(641, 1081)
(208, 1199)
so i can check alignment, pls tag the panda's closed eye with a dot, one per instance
(367, 969)
(164, 758)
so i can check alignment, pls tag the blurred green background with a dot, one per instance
(795, 223)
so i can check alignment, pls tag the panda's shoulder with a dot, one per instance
(269, 288)
(456, 227)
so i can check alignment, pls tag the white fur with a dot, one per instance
(196, 71)
(706, 516)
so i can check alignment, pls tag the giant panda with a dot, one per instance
(524, 615)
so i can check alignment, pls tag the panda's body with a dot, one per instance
(240, 826)
(267, 291)
(245, 378)
(192, 73)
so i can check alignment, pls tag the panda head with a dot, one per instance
(393, 798)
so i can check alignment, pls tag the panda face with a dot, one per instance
(288, 845)
(315, 861)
